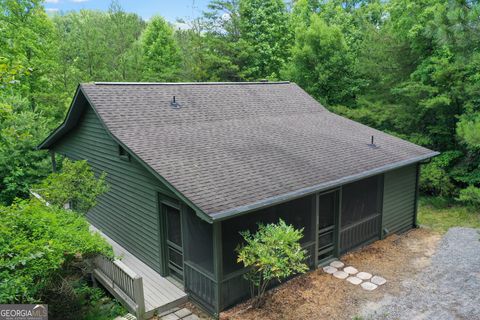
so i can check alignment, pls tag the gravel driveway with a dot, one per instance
(449, 288)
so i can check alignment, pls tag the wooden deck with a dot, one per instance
(160, 294)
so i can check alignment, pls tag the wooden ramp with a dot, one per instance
(159, 293)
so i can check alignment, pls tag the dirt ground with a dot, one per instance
(317, 295)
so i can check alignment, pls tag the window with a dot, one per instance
(124, 155)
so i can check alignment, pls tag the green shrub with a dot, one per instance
(435, 179)
(468, 129)
(41, 248)
(470, 196)
(76, 183)
(272, 253)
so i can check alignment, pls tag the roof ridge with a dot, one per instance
(191, 83)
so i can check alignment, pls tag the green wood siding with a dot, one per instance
(128, 212)
(399, 201)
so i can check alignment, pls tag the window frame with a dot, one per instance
(123, 153)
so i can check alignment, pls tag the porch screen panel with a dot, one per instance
(361, 213)
(199, 247)
(360, 200)
(298, 213)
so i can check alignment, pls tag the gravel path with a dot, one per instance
(449, 288)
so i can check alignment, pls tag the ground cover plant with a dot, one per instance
(442, 214)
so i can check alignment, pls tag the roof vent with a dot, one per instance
(174, 104)
(372, 143)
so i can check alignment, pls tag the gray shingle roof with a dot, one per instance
(230, 146)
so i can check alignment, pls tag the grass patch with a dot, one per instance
(441, 214)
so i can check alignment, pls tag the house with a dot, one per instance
(191, 164)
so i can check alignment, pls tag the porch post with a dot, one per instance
(218, 265)
(339, 222)
(139, 297)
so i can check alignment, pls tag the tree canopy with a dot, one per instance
(410, 68)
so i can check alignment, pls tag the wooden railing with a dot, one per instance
(122, 282)
(360, 232)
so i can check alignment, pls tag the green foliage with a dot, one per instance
(435, 179)
(264, 38)
(273, 253)
(441, 214)
(470, 196)
(85, 302)
(21, 165)
(39, 245)
(76, 184)
(161, 58)
(469, 131)
(98, 46)
(321, 63)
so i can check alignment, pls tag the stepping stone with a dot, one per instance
(164, 313)
(329, 269)
(378, 280)
(340, 275)
(350, 270)
(354, 280)
(337, 264)
(369, 286)
(182, 313)
(170, 316)
(364, 275)
(191, 317)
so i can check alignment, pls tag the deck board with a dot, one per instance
(160, 294)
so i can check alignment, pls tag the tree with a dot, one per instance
(76, 184)
(217, 34)
(469, 131)
(273, 253)
(161, 58)
(99, 46)
(21, 165)
(28, 41)
(124, 31)
(321, 64)
(264, 38)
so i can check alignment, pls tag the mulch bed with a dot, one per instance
(317, 295)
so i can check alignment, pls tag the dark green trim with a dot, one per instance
(338, 222)
(269, 202)
(335, 228)
(317, 223)
(162, 225)
(417, 183)
(218, 266)
(381, 186)
(45, 144)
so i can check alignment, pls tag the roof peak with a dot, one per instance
(192, 83)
